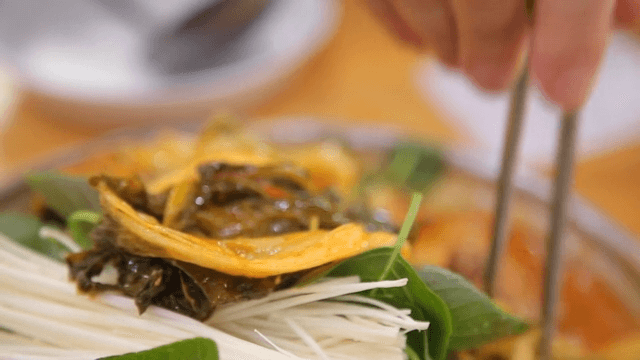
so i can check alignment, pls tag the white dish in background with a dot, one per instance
(76, 52)
(610, 119)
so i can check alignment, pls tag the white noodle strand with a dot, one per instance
(306, 338)
(230, 313)
(279, 349)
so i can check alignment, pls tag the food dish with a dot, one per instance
(456, 185)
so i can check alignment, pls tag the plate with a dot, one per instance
(593, 243)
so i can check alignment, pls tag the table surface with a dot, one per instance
(363, 75)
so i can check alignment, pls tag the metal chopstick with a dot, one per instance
(562, 187)
(509, 155)
(561, 196)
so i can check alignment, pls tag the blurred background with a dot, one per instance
(72, 70)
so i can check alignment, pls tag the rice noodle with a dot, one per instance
(49, 320)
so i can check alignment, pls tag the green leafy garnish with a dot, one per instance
(476, 319)
(192, 349)
(410, 166)
(80, 224)
(65, 194)
(25, 229)
(415, 166)
(416, 199)
(424, 304)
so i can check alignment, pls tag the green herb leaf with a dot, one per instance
(476, 319)
(192, 349)
(415, 166)
(24, 229)
(424, 304)
(63, 193)
(407, 224)
(80, 224)
(412, 355)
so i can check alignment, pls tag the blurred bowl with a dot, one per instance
(88, 65)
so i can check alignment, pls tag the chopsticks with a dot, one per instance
(561, 195)
(505, 183)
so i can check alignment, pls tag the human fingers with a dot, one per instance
(491, 34)
(386, 12)
(628, 13)
(569, 39)
(433, 21)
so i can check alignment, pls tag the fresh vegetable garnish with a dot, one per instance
(461, 316)
(410, 166)
(416, 199)
(25, 230)
(425, 305)
(415, 166)
(65, 194)
(80, 224)
(475, 318)
(192, 349)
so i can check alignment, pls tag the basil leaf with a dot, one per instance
(65, 194)
(192, 349)
(24, 229)
(80, 224)
(416, 199)
(415, 166)
(476, 319)
(424, 304)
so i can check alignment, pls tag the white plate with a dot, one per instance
(76, 50)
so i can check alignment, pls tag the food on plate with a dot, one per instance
(270, 251)
(235, 232)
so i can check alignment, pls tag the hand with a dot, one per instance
(485, 38)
